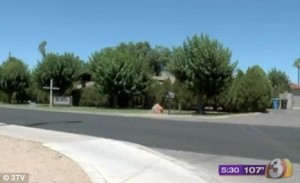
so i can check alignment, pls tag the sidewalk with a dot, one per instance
(105, 160)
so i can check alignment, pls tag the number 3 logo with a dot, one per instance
(276, 168)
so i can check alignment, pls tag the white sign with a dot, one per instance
(62, 100)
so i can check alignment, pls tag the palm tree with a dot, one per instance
(42, 48)
(297, 65)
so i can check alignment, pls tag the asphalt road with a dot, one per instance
(251, 141)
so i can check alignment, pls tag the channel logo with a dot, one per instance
(279, 168)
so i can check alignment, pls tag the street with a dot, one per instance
(226, 139)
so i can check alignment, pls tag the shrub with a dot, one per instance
(183, 96)
(254, 91)
(3, 97)
(229, 99)
(157, 91)
(38, 95)
(150, 96)
(21, 96)
(91, 96)
(76, 95)
(157, 94)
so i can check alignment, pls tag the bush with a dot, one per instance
(91, 96)
(280, 82)
(150, 96)
(38, 95)
(156, 93)
(228, 98)
(254, 91)
(165, 87)
(76, 95)
(21, 96)
(3, 97)
(184, 96)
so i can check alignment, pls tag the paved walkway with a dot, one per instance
(107, 160)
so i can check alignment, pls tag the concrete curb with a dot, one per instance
(106, 160)
(146, 115)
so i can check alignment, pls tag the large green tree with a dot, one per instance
(64, 69)
(228, 99)
(179, 66)
(254, 91)
(159, 56)
(121, 72)
(297, 65)
(205, 64)
(280, 82)
(14, 76)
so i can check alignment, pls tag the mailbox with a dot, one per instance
(170, 96)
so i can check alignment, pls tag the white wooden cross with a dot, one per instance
(51, 88)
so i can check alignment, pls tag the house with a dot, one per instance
(295, 90)
(164, 75)
(86, 79)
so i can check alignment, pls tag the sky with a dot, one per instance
(258, 32)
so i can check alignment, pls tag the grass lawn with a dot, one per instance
(75, 108)
(100, 109)
(107, 110)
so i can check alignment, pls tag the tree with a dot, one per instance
(159, 57)
(137, 50)
(297, 65)
(205, 65)
(254, 91)
(183, 96)
(140, 49)
(14, 76)
(121, 72)
(91, 96)
(160, 93)
(228, 99)
(280, 82)
(42, 48)
(179, 66)
(63, 69)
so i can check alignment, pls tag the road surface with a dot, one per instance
(241, 140)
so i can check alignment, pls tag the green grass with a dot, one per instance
(101, 109)
(194, 113)
(109, 110)
(91, 109)
(79, 109)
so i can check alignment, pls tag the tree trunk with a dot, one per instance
(298, 74)
(215, 104)
(9, 96)
(115, 100)
(199, 104)
(143, 101)
(131, 101)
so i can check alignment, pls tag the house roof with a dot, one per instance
(164, 75)
(295, 86)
